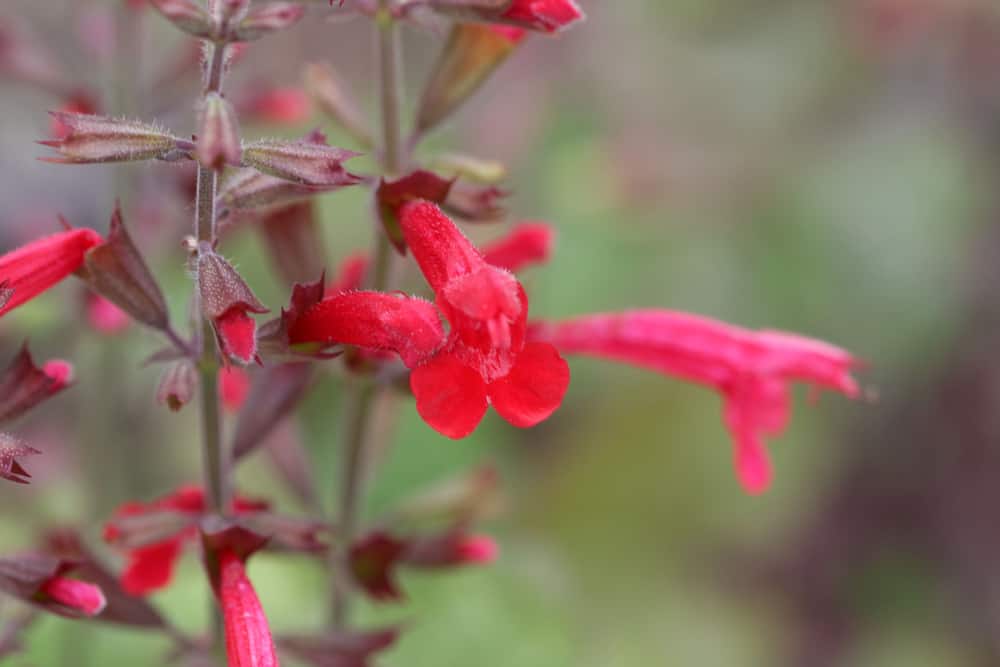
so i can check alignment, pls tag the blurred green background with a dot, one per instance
(822, 166)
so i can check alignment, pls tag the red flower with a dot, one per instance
(74, 594)
(277, 105)
(150, 566)
(529, 243)
(750, 369)
(483, 360)
(546, 15)
(39, 265)
(234, 385)
(248, 636)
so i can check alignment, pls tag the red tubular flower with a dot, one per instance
(248, 635)
(234, 385)
(547, 15)
(485, 360)
(73, 594)
(405, 325)
(226, 299)
(150, 566)
(529, 243)
(751, 370)
(39, 265)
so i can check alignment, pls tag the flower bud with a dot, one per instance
(391, 195)
(542, 15)
(304, 162)
(92, 139)
(227, 12)
(451, 549)
(267, 19)
(78, 596)
(226, 299)
(218, 134)
(40, 579)
(486, 172)
(475, 204)
(470, 56)
(186, 15)
(23, 385)
(177, 385)
(117, 271)
(333, 99)
(248, 189)
(12, 449)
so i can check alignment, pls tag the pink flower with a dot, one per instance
(151, 564)
(750, 369)
(34, 268)
(248, 635)
(104, 316)
(482, 361)
(73, 594)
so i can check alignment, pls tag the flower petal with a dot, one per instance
(451, 397)
(237, 334)
(150, 568)
(534, 388)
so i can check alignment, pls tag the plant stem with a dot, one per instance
(205, 219)
(213, 454)
(360, 409)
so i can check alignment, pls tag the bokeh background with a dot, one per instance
(830, 167)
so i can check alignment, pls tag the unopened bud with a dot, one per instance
(485, 172)
(248, 188)
(186, 15)
(391, 195)
(226, 299)
(227, 12)
(177, 385)
(333, 98)
(471, 55)
(269, 18)
(101, 139)
(474, 203)
(303, 162)
(219, 134)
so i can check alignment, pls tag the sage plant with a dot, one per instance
(458, 343)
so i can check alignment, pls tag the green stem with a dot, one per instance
(213, 453)
(360, 409)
